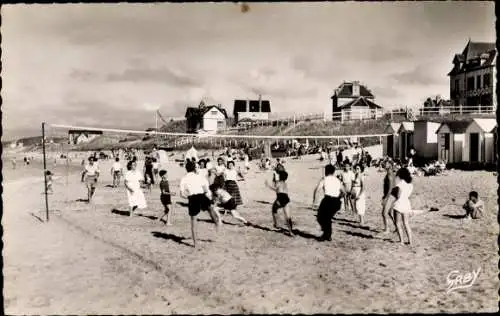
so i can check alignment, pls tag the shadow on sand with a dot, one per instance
(454, 216)
(175, 238)
(263, 202)
(37, 217)
(357, 234)
(120, 212)
(82, 200)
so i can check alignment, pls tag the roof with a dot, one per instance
(475, 51)
(360, 101)
(406, 127)
(345, 91)
(486, 124)
(394, 127)
(241, 106)
(81, 131)
(456, 127)
(199, 112)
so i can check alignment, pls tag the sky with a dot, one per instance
(113, 65)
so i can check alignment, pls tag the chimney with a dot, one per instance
(260, 103)
(248, 105)
(355, 89)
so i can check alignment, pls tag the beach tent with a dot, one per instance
(192, 152)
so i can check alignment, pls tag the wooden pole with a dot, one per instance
(44, 173)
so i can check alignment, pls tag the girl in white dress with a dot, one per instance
(135, 195)
(358, 193)
(399, 201)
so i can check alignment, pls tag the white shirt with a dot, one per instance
(230, 174)
(132, 178)
(209, 165)
(331, 186)
(220, 169)
(156, 165)
(203, 173)
(347, 178)
(91, 170)
(193, 184)
(116, 166)
(402, 203)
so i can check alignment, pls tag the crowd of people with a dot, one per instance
(213, 187)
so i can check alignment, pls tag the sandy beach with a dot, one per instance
(93, 259)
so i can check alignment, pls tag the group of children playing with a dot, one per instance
(214, 188)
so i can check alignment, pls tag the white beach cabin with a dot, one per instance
(451, 137)
(425, 139)
(467, 141)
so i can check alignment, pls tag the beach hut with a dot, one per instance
(478, 144)
(425, 139)
(405, 138)
(391, 142)
(467, 141)
(451, 136)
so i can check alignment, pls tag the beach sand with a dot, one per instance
(90, 258)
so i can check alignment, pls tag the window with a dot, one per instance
(470, 83)
(457, 85)
(214, 112)
(486, 80)
(220, 124)
(478, 82)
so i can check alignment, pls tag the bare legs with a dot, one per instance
(193, 230)
(405, 218)
(288, 217)
(386, 215)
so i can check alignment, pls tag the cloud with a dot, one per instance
(316, 67)
(82, 75)
(386, 92)
(159, 75)
(420, 75)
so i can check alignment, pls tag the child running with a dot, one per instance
(230, 177)
(90, 175)
(226, 201)
(282, 200)
(330, 204)
(358, 193)
(399, 201)
(165, 198)
(195, 188)
(135, 195)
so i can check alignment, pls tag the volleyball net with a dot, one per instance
(65, 149)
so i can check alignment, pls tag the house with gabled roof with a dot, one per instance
(206, 118)
(251, 110)
(353, 101)
(471, 140)
(473, 77)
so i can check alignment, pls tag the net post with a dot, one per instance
(44, 173)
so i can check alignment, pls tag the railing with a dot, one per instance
(289, 119)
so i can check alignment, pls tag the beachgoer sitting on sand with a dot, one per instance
(474, 207)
